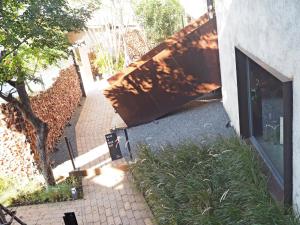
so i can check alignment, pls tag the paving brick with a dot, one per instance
(132, 221)
(117, 220)
(125, 221)
(129, 214)
(127, 205)
(140, 222)
(108, 212)
(110, 220)
(102, 218)
(137, 214)
(122, 212)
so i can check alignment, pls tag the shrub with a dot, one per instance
(106, 63)
(4, 183)
(161, 18)
(36, 194)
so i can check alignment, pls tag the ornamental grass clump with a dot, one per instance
(216, 184)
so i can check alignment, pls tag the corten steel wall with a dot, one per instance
(175, 72)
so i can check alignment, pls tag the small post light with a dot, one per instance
(74, 193)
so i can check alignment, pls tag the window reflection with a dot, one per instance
(267, 113)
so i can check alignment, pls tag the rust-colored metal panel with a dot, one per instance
(175, 72)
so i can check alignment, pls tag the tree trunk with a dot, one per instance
(41, 129)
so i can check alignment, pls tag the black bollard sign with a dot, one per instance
(113, 145)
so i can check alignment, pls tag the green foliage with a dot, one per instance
(5, 183)
(109, 64)
(33, 35)
(9, 189)
(92, 4)
(119, 62)
(33, 194)
(218, 184)
(161, 18)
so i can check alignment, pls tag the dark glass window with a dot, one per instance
(265, 99)
(267, 114)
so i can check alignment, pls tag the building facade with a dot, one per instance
(259, 47)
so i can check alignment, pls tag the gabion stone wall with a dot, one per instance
(18, 155)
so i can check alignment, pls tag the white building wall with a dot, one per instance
(270, 30)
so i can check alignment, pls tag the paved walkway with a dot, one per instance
(109, 198)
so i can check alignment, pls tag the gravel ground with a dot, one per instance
(199, 122)
(60, 154)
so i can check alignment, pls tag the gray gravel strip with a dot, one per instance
(199, 122)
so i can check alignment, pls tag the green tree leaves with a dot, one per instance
(33, 34)
(161, 18)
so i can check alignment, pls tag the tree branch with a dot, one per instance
(11, 83)
(9, 98)
(12, 91)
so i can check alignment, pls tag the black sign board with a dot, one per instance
(113, 145)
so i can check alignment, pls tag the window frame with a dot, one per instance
(280, 187)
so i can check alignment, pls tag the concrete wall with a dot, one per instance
(270, 30)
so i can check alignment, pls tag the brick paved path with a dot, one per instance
(109, 198)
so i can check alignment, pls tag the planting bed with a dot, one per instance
(215, 184)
